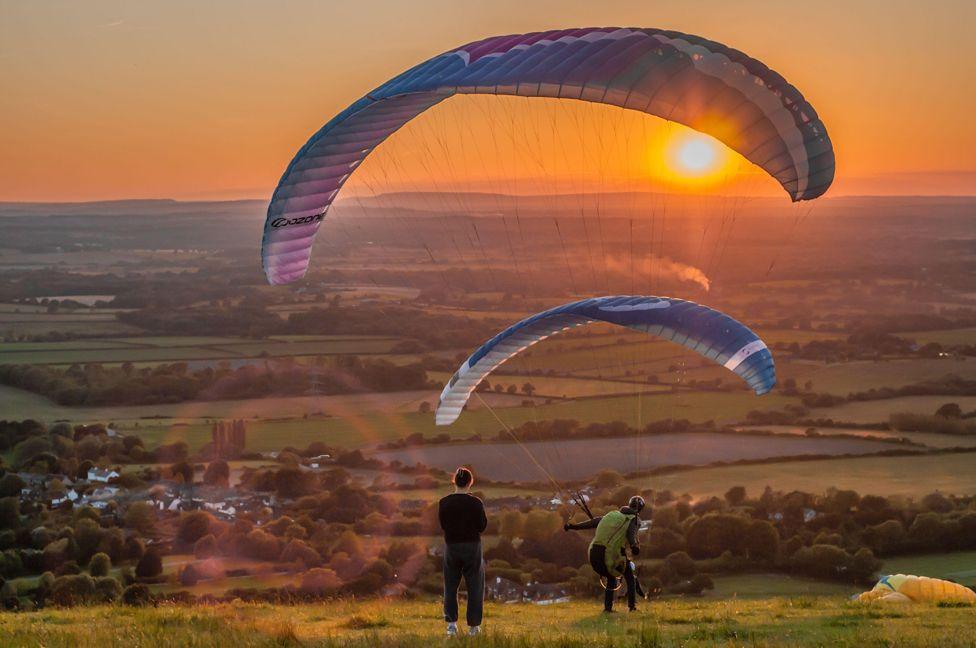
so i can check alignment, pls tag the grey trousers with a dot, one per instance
(463, 559)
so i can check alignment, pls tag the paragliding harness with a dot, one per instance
(616, 553)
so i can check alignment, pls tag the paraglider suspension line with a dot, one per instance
(559, 487)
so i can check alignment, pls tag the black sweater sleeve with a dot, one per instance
(484, 517)
(589, 524)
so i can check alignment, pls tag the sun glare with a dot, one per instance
(697, 156)
(694, 155)
(690, 161)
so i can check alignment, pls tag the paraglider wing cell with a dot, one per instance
(708, 332)
(682, 78)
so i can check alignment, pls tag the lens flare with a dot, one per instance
(697, 156)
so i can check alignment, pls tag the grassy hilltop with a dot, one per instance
(806, 621)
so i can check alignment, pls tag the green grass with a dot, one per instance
(911, 476)
(767, 585)
(880, 410)
(24, 404)
(844, 378)
(959, 566)
(162, 349)
(951, 337)
(793, 621)
(176, 341)
(362, 420)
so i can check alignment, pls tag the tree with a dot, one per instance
(606, 479)
(9, 513)
(735, 496)
(189, 576)
(88, 535)
(864, 565)
(528, 389)
(886, 538)
(99, 565)
(661, 542)
(28, 448)
(762, 541)
(10, 485)
(141, 516)
(217, 473)
(134, 548)
(261, 545)
(205, 547)
(299, 551)
(320, 580)
(182, 471)
(193, 526)
(949, 411)
(822, 561)
(541, 525)
(681, 564)
(107, 589)
(293, 482)
(510, 524)
(424, 407)
(150, 565)
(715, 533)
(136, 595)
(73, 590)
(56, 553)
(929, 532)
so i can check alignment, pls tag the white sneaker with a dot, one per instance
(474, 631)
(452, 629)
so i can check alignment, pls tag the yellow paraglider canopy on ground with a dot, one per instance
(902, 588)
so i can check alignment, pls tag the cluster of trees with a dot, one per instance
(74, 450)
(74, 552)
(97, 384)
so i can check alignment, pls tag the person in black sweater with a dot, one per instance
(463, 520)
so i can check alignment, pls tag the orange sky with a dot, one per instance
(105, 100)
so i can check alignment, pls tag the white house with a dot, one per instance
(69, 496)
(100, 475)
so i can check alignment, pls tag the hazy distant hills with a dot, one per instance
(484, 203)
(147, 207)
(916, 231)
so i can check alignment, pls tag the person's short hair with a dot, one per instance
(463, 477)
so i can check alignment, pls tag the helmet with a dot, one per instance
(637, 503)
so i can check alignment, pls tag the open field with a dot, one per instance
(946, 338)
(162, 349)
(847, 377)
(767, 585)
(878, 411)
(581, 458)
(932, 440)
(796, 621)
(362, 420)
(21, 403)
(913, 476)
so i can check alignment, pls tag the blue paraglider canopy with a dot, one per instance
(706, 331)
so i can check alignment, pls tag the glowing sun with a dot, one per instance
(696, 156)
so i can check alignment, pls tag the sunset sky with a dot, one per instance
(189, 100)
